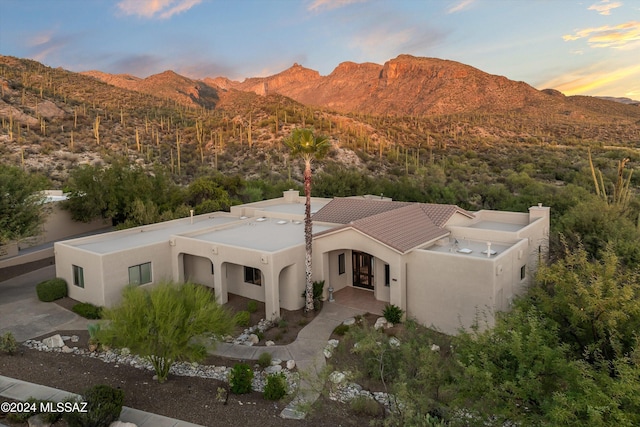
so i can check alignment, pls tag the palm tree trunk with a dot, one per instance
(308, 236)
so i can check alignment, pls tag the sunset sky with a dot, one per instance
(589, 47)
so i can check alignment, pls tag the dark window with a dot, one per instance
(140, 274)
(523, 272)
(341, 266)
(211, 268)
(253, 276)
(78, 276)
(387, 275)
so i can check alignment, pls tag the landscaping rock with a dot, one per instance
(75, 338)
(333, 343)
(291, 364)
(394, 342)
(276, 361)
(350, 321)
(328, 352)
(37, 421)
(122, 424)
(337, 377)
(54, 341)
(273, 369)
(381, 322)
(253, 339)
(66, 349)
(269, 343)
(435, 347)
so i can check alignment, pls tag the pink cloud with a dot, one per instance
(156, 9)
(317, 5)
(604, 7)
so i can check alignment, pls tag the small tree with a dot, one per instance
(166, 323)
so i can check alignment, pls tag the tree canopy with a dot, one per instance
(166, 323)
(21, 203)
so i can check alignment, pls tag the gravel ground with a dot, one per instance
(185, 398)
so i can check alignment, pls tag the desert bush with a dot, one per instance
(240, 379)
(8, 343)
(242, 318)
(341, 329)
(104, 405)
(51, 290)
(87, 310)
(252, 306)
(363, 405)
(264, 360)
(275, 387)
(393, 313)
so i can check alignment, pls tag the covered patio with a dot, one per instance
(359, 299)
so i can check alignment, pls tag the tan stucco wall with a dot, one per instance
(444, 293)
(66, 257)
(59, 225)
(197, 269)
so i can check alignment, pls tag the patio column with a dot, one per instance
(271, 292)
(219, 281)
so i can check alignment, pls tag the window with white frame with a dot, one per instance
(140, 274)
(253, 276)
(78, 276)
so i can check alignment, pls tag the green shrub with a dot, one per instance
(104, 405)
(252, 306)
(87, 310)
(275, 387)
(8, 343)
(264, 360)
(363, 405)
(242, 318)
(341, 329)
(393, 313)
(318, 288)
(240, 379)
(51, 290)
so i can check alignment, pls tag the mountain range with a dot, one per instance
(403, 86)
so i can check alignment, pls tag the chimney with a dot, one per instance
(291, 196)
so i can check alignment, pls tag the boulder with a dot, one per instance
(381, 322)
(337, 377)
(333, 343)
(350, 321)
(273, 369)
(269, 343)
(54, 341)
(291, 364)
(75, 338)
(394, 342)
(435, 347)
(253, 339)
(66, 349)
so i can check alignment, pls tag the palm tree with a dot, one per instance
(303, 143)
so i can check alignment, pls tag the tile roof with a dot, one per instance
(341, 210)
(400, 225)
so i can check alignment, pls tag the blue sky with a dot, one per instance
(589, 47)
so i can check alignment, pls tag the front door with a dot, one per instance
(362, 270)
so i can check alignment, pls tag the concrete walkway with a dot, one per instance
(306, 350)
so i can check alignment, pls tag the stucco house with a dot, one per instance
(440, 263)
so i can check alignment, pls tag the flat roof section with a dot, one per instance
(147, 235)
(262, 234)
(470, 248)
(293, 208)
(498, 226)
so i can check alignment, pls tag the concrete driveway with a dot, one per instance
(25, 316)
